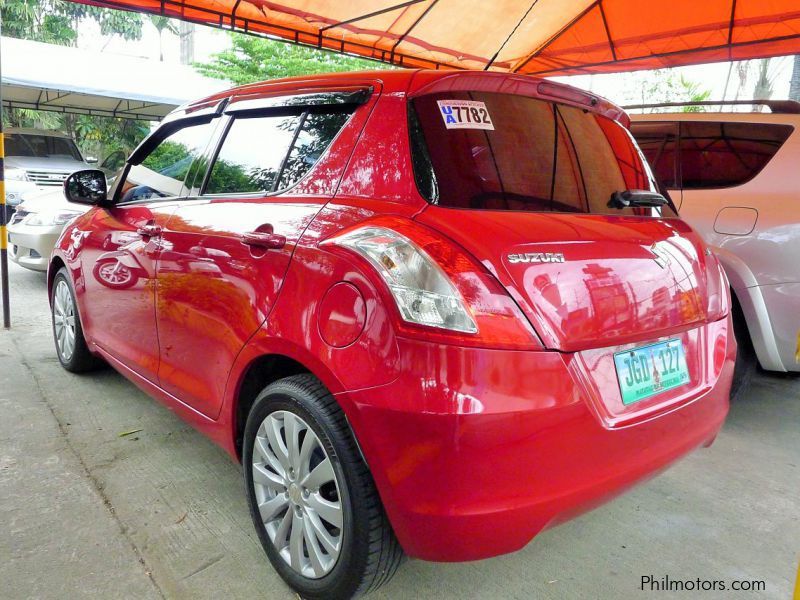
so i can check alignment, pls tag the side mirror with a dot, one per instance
(86, 187)
(91, 159)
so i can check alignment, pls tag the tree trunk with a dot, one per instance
(794, 83)
(763, 88)
(186, 33)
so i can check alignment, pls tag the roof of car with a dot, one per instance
(740, 117)
(409, 81)
(33, 131)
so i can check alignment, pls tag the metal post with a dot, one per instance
(3, 216)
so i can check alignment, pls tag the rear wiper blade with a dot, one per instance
(628, 198)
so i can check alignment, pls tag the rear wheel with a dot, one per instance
(73, 353)
(746, 360)
(311, 497)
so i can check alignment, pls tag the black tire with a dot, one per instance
(746, 360)
(370, 553)
(81, 359)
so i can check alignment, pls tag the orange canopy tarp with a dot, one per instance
(541, 37)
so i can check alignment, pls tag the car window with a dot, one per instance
(251, 155)
(41, 146)
(659, 143)
(164, 170)
(500, 151)
(718, 155)
(314, 137)
(267, 154)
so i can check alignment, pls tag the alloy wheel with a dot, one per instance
(297, 494)
(64, 320)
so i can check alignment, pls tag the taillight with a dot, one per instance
(718, 289)
(438, 288)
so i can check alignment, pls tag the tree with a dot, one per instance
(163, 24)
(56, 22)
(254, 59)
(661, 85)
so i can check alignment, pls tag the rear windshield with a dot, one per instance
(41, 146)
(481, 150)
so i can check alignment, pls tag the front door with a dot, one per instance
(123, 246)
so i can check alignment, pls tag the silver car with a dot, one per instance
(734, 177)
(38, 160)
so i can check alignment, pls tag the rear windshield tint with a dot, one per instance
(480, 150)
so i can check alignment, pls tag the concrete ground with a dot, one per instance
(161, 513)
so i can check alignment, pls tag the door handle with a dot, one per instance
(263, 239)
(149, 230)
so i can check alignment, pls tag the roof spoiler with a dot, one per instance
(775, 106)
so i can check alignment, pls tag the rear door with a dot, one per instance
(227, 247)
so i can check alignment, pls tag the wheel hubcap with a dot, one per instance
(297, 494)
(64, 320)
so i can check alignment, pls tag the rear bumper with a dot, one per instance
(30, 247)
(475, 451)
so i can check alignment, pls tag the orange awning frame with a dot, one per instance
(536, 37)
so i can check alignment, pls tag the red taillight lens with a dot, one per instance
(719, 303)
(440, 291)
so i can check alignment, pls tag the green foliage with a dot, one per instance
(254, 59)
(170, 156)
(163, 24)
(661, 85)
(102, 136)
(56, 22)
(231, 178)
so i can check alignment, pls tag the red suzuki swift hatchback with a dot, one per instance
(432, 313)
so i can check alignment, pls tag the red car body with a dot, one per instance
(475, 443)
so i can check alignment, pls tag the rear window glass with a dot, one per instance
(703, 154)
(659, 143)
(523, 154)
(715, 155)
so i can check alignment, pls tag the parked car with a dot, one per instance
(732, 177)
(432, 313)
(36, 226)
(38, 221)
(38, 160)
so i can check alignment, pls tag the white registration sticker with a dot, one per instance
(465, 114)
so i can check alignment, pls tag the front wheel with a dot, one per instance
(73, 353)
(311, 497)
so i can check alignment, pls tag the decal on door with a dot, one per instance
(465, 114)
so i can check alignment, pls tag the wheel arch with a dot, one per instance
(56, 263)
(746, 292)
(259, 373)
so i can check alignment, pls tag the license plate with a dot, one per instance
(649, 370)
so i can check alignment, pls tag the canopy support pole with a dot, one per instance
(3, 215)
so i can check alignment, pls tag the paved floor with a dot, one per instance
(85, 513)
